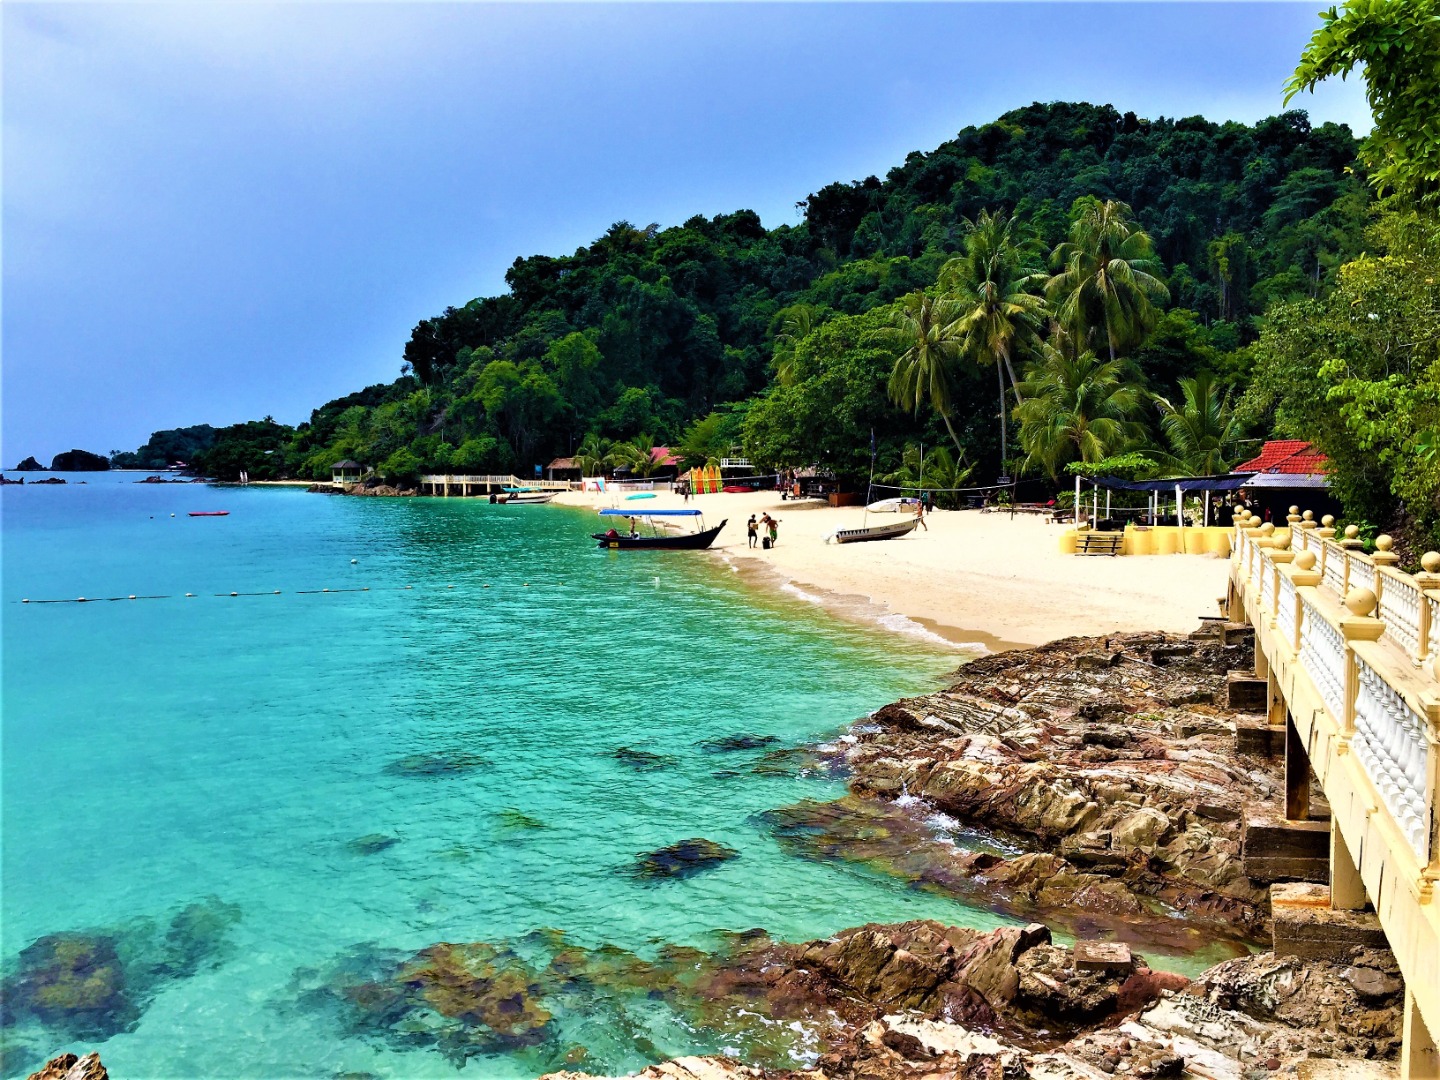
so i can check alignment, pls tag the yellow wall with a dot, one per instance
(1164, 540)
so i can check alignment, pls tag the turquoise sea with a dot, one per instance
(243, 793)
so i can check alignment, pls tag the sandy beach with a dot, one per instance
(971, 578)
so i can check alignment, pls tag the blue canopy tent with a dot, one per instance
(1178, 485)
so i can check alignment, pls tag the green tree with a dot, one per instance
(1106, 286)
(1202, 430)
(1395, 44)
(1076, 408)
(924, 331)
(998, 315)
(592, 455)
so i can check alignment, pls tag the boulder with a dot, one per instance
(79, 461)
(69, 1067)
(683, 859)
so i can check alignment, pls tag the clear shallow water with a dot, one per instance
(159, 752)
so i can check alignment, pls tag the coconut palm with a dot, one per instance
(924, 334)
(788, 328)
(1202, 430)
(990, 282)
(1076, 408)
(940, 471)
(636, 456)
(1105, 288)
(592, 455)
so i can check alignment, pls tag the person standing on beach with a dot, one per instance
(774, 527)
(752, 530)
(920, 514)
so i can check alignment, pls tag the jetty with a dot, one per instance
(1346, 687)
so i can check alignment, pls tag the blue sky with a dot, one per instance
(214, 212)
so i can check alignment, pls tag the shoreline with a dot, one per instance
(982, 583)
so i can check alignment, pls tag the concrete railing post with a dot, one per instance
(1357, 626)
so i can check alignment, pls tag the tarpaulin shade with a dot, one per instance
(1228, 482)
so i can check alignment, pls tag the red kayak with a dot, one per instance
(209, 513)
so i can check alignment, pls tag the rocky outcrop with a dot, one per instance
(70, 1067)
(29, 465)
(1107, 758)
(79, 461)
(683, 859)
(1051, 1016)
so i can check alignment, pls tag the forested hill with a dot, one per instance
(676, 334)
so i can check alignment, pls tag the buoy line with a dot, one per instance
(281, 592)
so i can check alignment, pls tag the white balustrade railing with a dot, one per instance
(1267, 582)
(1285, 612)
(1390, 743)
(1362, 573)
(1400, 609)
(1322, 652)
(1334, 568)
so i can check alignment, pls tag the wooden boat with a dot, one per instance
(209, 513)
(615, 540)
(874, 532)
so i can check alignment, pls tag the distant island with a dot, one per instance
(69, 461)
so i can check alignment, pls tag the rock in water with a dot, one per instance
(443, 764)
(69, 1067)
(372, 844)
(684, 859)
(729, 743)
(641, 760)
(79, 461)
(74, 983)
(29, 465)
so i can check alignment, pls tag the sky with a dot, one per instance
(216, 212)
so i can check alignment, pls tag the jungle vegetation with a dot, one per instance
(1065, 285)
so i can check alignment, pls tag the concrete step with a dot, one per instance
(1246, 693)
(1254, 735)
(1277, 850)
(1306, 925)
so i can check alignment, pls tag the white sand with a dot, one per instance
(971, 578)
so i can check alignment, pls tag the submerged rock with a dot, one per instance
(460, 999)
(96, 983)
(683, 859)
(372, 843)
(73, 983)
(641, 760)
(450, 763)
(511, 818)
(730, 743)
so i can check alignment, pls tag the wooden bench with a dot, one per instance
(1099, 543)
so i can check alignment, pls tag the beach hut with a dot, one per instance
(562, 468)
(346, 472)
(1288, 472)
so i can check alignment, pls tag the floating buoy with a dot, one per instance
(81, 600)
(449, 586)
(324, 590)
(365, 589)
(484, 586)
(277, 592)
(234, 594)
(525, 584)
(354, 561)
(172, 515)
(409, 586)
(132, 596)
(25, 601)
(189, 594)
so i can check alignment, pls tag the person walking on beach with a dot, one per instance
(752, 530)
(920, 514)
(774, 528)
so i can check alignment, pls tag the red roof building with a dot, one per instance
(1291, 457)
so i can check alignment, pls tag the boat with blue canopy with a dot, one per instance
(616, 540)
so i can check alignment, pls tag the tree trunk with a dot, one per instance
(953, 436)
(1014, 382)
(1004, 438)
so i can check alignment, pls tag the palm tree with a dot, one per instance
(637, 456)
(1105, 288)
(939, 471)
(593, 454)
(923, 331)
(788, 328)
(1075, 408)
(999, 315)
(1202, 431)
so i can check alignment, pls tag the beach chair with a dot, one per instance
(1088, 542)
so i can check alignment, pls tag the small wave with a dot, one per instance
(791, 587)
(903, 624)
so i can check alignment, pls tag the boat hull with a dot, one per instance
(528, 497)
(875, 532)
(691, 542)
